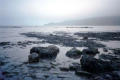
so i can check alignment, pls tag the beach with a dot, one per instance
(16, 43)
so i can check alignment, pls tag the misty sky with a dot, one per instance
(39, 12)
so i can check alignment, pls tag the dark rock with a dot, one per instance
(3, 60)
(85, 38)
(46, 76)
(93, 65)
(114, 75)
(73, 53)
(90, 51)
(4, 43)
(115, 65)
(46, 52)
(74, 67)
(108, 77)
(83, 73)
(98, 78)
(64, 68)
(2, 63)
(109, 57)
(91, 43)
(114, 61)
(116, 51)
(105, 49)
(60, 39)
(101, 35)
(33, 57)
(2, 77)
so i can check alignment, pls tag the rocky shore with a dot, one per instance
(84, 57)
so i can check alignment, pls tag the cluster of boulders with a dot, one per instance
(75, 53)
(51, 52)
(105, 65)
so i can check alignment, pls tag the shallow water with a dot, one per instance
(17, 56)
(13, 34)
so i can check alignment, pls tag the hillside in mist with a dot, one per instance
(100, 21)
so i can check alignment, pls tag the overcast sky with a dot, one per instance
(39, 12)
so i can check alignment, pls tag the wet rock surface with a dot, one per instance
(116, 51)
(74, 53)
(90, 51)
(4, 43)
(65, 40)
(3, 62)
(105, 67)
(2, 77)
(45, 52)
(83, 73)
(102, 70)
(21, 44)
(74, 66)
(109, 57)
(114, 75)
(94, 65)
(64, 68)
(102, 35)
(33, 57)
(105, 49)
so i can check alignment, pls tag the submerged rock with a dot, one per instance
(93, 65)
(73, 53)
(90, 51)
(45, 52)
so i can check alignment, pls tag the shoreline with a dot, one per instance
(15, 55)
